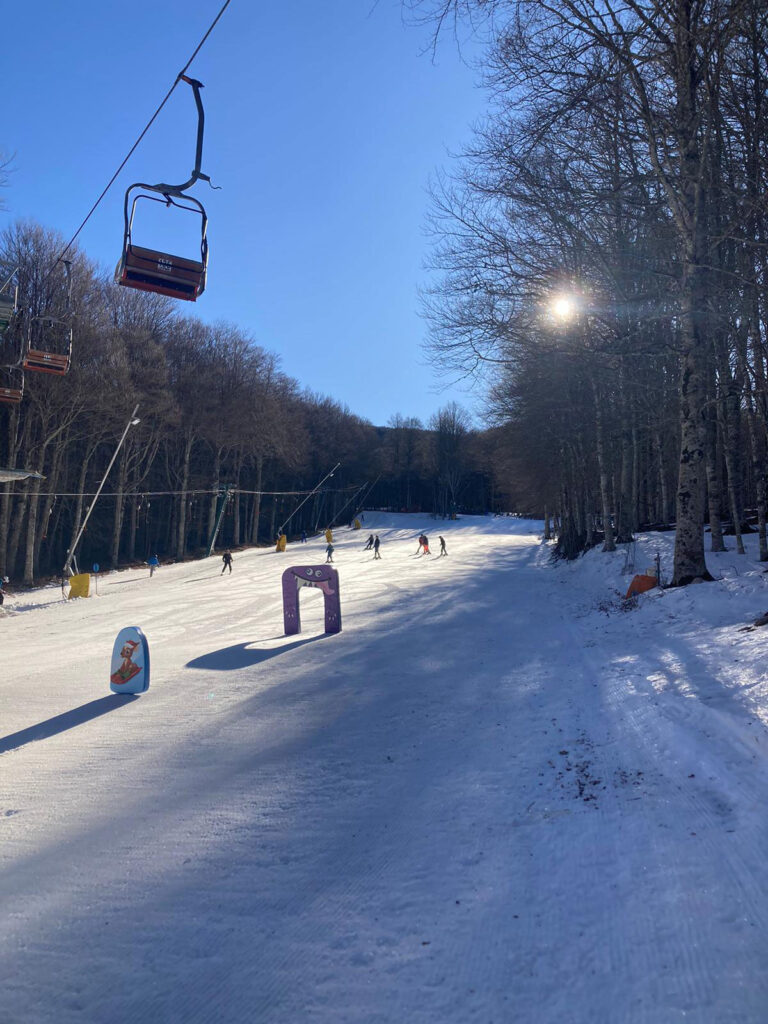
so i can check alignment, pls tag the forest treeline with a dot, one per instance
(221, 427)
(603, 251)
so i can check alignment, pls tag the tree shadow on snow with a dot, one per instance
(229, 659)
(66, 720)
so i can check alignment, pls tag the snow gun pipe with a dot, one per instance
(71, 553)
(317, 488)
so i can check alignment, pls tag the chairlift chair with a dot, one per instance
(49, 346)
(151, 270)
(9, 303)
(11, 385)
(48, 342)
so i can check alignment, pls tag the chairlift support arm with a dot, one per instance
(178, 190)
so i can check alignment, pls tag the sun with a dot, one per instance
(563, 307)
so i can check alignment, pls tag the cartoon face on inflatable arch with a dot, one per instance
(321, 577)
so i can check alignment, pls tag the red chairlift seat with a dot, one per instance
(11, 385)
(49, 346)
(152, 271)
(45, 362)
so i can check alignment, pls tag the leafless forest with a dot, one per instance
(222, 430)
(602, 251)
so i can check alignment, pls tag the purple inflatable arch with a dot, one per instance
(324, 578)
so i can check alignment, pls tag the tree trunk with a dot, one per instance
(609, 543)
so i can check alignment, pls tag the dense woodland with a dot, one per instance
(602, 254)
(220, 424)
(603, 257)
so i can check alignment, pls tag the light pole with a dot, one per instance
(71, 553)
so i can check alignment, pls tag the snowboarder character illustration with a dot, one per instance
(227, 560)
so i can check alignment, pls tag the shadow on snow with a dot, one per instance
(66, 720)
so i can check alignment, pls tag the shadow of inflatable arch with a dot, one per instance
(320, 577)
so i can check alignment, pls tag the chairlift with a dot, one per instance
(11, 384)
(9, 303)
(151, 270)
(48, 347)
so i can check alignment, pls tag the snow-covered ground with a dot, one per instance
(494, 797)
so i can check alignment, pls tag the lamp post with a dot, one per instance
(71, 553)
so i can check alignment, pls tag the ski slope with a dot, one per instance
(494, 797)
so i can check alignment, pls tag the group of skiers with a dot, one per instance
(373, 543)
(423, 548)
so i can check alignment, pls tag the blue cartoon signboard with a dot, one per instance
(129, 672)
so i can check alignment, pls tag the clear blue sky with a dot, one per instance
(324, 122)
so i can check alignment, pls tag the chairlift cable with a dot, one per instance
(135, 146)
(190, 494)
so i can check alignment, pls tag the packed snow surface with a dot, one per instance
(496, 796)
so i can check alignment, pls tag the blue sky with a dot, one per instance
(324, 123)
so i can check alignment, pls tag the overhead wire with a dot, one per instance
(144, 131)
(189, 494)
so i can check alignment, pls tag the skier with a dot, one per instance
(425, 541)
(442, 547)
(376, 546)
(422, 538)
(227, 560)
(368, 543)
(303, 536)
(329, 552)
(153, 562)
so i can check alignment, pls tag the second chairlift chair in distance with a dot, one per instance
(11, 374)
(48, 347)
(153, 271)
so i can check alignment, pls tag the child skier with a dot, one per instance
(227, 560)
(329, 553)
(153, 562)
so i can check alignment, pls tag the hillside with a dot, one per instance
(495, 796)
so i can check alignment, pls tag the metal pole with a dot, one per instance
(290, 517)
(219, 517)
(71, 553)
